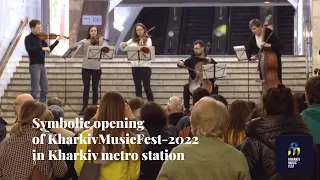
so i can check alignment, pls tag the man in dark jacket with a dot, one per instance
(259, 146)
(3, 129)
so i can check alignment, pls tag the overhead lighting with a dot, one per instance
(266, 1)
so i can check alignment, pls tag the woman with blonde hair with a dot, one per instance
(16, 152)
(112, 108)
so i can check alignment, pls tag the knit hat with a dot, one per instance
(57, 112)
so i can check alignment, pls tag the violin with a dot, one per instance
(143, 38)
(95, 40)
(43, 36)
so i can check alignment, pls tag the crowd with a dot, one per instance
(234, 141)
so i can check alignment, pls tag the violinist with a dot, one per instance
(90, 67)
(36, 50)
(199, 56)
(256, 43)
(141, 70)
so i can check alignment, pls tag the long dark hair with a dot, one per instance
(134, 35)
(88, 35)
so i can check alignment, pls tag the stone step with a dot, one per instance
(162, 82)
(156, 75)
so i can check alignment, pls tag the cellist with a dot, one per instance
(198, 56)
(256, 43)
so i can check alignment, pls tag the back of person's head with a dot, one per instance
(29, 110)
(252, 105)
(55, 101)
(312, 88)
(208, 123)
(153, 115)
(256, 113)
(278, 101)
(89, 112)
(220, 98)
(198, 94)
(239, 112)
(135, 103)
(174, 105)
(300, 102)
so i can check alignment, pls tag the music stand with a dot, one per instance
(70, 53)
(140, 53)
(96, 53)
(242, 56)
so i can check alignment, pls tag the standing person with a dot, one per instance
(256, 43)
(141, 70)
(199, 56)
(90, 67)
(36, 51)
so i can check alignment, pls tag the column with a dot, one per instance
(315, 34)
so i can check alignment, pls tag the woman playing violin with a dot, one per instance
(141, 70)
(90, 68)
(190, 63)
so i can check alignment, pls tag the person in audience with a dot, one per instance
(135, 105)
(183, 125)
(252, 105)
(259, 145)
(16, 151)
(89, 113)
(256, 113)
(112, 108)
(156, 123)
(55, 101)
(210, 158)
(174, 110)
(311, 115)
(220, 98)
(3, 129)
(239, 112)
(20, 99)
(300, 102)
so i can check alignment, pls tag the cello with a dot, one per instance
(198, 81)
(268, 61)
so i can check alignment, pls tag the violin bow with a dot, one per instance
(140, 37)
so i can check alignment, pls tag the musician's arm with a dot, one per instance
(186, 62)
(124, 48)
(251, 50)
(275, 41)
(149, 42)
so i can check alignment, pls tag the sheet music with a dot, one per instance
(241, 52)
(208, 71)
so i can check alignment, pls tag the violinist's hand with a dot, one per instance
(208, 59)
(101, 40)
(265, 44)
(124, 44)
(180, 63)
(46, 49)
(58, 39)
(85, 41)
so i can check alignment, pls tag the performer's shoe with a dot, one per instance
(81, 113)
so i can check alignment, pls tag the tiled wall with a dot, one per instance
(12, 12)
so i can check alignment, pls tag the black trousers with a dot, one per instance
(187, 95)
(142, 74)
(86, 76)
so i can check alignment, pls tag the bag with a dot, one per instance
(90, 170)
(36, 175)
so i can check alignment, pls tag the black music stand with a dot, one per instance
(242, 56)
(214, 71)
(140, 53)
(97, 53)
(70, 53)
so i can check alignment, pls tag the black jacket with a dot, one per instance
(259, 146)
(3, 129)
(276, 45)
(34, 47)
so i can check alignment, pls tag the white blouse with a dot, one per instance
(259, 41)
(138, 63)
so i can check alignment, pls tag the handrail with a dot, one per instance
(12, 46)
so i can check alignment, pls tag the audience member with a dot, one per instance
(55, 101)
(135, 105)
(3, 129)
(112, 108)
(19, 102)
(156, 123)
(252, 105)
(220, 98)
(174, 110)
(210, 158)
(259, 146)
(239, 112)
(256, 113)
(89, 112)
(300, 102)
(312, 114)
(16, 151)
